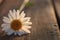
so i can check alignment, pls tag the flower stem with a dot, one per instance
(23, 5)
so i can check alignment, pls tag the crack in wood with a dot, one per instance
(56, 13)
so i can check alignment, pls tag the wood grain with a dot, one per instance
(44, 25)
(57, 10)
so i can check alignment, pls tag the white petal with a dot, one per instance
(20, 32)
(11, 14)
(5, 26)
(10, 18)
(6, 20)
(27, 23)
(18, 14)
(26, 26)
(26, 19)
(14, 13)
(22, 15)
(10, 11)
(9, 31)
(26, 30)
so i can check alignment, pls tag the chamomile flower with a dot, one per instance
(16, 23)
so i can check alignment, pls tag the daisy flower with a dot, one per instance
(16, 23)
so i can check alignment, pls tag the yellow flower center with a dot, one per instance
(16, 25)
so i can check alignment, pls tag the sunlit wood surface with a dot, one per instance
(57, 8)
(42, 15)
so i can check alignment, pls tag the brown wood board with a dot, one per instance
(56, 4)
(44, 25)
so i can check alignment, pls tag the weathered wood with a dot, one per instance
(57, 6)
(44, 25)
(57, 9)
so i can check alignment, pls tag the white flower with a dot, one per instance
(16, 23)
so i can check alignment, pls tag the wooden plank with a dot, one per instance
(44, 22)
(56, 4)
(42, 15)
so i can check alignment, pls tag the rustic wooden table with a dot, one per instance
(45, 24)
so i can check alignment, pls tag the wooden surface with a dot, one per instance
(57, 8)
(44, 21)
